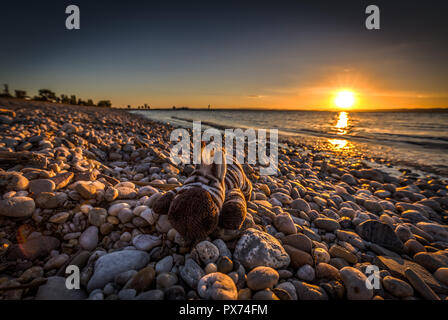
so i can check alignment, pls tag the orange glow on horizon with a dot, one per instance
(332, 91)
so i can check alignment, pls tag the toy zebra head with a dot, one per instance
(193, 209)
(213, 162)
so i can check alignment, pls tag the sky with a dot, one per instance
(230, 54)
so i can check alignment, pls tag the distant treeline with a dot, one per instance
(49, 96)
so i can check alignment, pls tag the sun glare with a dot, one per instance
(344, 99)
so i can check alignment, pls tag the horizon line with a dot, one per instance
(409, 109)
(292, 110)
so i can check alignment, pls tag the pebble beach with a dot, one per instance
(77, 187)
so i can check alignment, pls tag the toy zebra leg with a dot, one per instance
(234, 210)
(238, 192)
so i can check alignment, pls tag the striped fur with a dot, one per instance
(236, 179)
(210, 177)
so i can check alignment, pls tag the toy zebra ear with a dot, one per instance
(212, 153)
(213, 162)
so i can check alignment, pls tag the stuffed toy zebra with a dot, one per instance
(214, 194)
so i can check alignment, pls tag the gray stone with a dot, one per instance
(289, 287)
(56, 262)
(63, 179)
(122, 278)
(256, 248)
(265, 294)
(112, 264)
(284, 223)
(301, 205)
(163, 225)
(327, 224)
(175, 293)
(437, 231)
(397, 287)
(50, 200)
(306, 273)
(41, 185)
(217, 286)
(166, 280)
(146, 242)
(207, 252)
(17, 207)
(373, 206)
(125, 215)
(13, 181)
(127, 294)
(89, 238)
(355, 284)
(398, 266)
(55, 289)
(381, 234)
(349, 179)
(432, 260)
(306, 291)
(222, 247)
(191, 272)
(164, 265)
(151, 295)
(420, 285)
(96, 295)
(261, 278)
(298, 241)
(86, 189)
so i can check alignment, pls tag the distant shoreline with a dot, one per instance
(289, 110)
(185, 108)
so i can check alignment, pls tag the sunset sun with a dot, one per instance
(344, 99)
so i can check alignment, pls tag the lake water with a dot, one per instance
(418, 139)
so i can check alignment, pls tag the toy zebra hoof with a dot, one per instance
(234, 210)
(162, 205)
(193, 214)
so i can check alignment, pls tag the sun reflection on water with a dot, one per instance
(342, 123)
(338, 143)
(341, 129)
